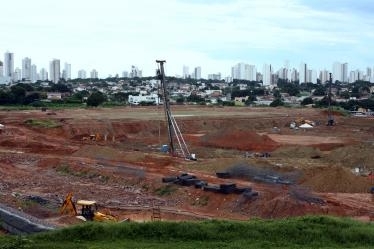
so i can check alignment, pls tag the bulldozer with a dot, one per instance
(87, 210)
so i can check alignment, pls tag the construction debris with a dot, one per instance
(256, 174)
(186, 179)
(302, 123)
(304, 194)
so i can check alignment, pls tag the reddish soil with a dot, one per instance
(123, 166)
(240, 140)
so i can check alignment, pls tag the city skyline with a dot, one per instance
(111, 36)
(244, 71)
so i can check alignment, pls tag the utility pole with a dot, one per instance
(165, 97)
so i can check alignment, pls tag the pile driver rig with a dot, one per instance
(174, 132)
(330, 118)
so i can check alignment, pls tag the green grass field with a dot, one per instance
(302, 232)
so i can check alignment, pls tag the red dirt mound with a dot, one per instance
(240, 140)
(335, 179)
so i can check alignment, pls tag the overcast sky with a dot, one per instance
(112, 35)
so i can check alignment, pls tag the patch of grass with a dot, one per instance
(18, 243)
(25, 204)
(66, 170)
(302, 232)
(340, 110)
(42, 123)
(201, 201)
(165, 190)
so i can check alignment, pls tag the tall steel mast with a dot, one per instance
(330, 118)
(173, 128)
(165, 98)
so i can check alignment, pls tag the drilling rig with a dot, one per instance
(330, 118)
(174, 133)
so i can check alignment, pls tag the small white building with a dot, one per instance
(152, 98)
(54, 96)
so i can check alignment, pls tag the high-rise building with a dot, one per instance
(250, 72)
(214, 76)
(282, 73)
(337, 72)
(293, 75)
(340, 72)
(355, 76)
(345, 72)
(26, 68)
(54, 70)
(135, 72)
(8, 66)
(312, 76)
(34, 73)
(324, 76)
(267, 75)
(43, 74)
(17, 75)
(94, 74)
(82, 74)
(66, 75)
(352, 77)
(242, 71)
(125, 74)
(238, 71)
(197, 73)
(186, 72)
(303, 73)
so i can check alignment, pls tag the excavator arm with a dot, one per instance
(68, 205)
(88, 209)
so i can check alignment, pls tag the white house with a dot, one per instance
(54, 96)
(152, 98)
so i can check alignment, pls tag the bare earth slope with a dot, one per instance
(113, 156)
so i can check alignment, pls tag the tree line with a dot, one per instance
(36, 94)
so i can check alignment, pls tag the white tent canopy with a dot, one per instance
(305, 126)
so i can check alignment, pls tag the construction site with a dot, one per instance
(116, 158)
(184, 162)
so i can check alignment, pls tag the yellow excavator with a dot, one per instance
(87, 210)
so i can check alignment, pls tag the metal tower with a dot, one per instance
(174, 132)
(330, 118)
